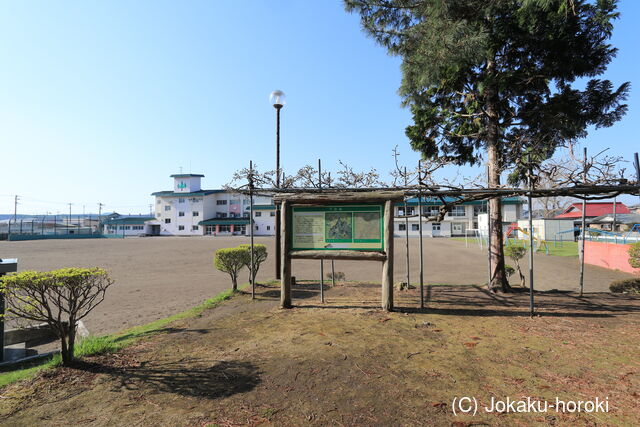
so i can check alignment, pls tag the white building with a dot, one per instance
(549, 229)
(462, 217)
(188, 210)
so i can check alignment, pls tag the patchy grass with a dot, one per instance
(348, 363)
(96, 345)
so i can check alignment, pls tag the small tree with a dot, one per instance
(516, 253)
(259, 256)
(231, 261)
(61, 298)
(634, 255)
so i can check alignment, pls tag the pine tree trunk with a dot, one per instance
(497, 274)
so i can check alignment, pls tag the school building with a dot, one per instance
(189, 210)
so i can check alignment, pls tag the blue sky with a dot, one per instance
(102, 100)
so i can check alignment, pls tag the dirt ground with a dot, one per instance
(157, 277)
(347, 363)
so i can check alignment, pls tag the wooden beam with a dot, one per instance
(339, 254)
(387, 266)
(285, 265)
(340, 197)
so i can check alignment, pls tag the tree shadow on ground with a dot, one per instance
(473, 300)
(187, 377)
(299, 291)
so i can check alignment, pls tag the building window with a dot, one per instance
(272, 213)
(402, 227)
(181, 227)
(167, 220)
(167, 208)
(180, 213)
(195, 200)
(457, 211)
(221, 215)
(268, 227)
(194, 228)
(258, 213)
(431, 210)
(158, 215)
(180, 199)
(196, 213)
(221, 202)
(415, 227)
(225, 229)
(138, 227)
(256, 228)
(479, 209)
(158, 201)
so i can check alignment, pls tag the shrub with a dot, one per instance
(516, 253)
(259, 256)
(631, 286)
(338, 276)
(231, 261)
(60, 298)
(509, 270)
(634, 255)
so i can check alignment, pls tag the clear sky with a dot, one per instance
(100, 101)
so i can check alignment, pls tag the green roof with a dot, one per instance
(224, 221)
(187, 175)
(433, 201)
(195, 193)
(264, 207)
(129, 220)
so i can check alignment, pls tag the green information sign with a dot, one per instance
(337, 227)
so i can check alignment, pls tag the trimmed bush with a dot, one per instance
(634, 255)
(631, 286)
(231, 261)
(259, 256)
(60, 298)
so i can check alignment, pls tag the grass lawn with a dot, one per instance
(559, 249)
(346, 362)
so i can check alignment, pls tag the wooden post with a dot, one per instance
(387, 266)
(285, 277)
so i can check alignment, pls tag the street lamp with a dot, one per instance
(277, 99)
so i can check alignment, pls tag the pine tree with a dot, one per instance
(499, 81)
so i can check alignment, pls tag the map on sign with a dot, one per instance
(337, 227)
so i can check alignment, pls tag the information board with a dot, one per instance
(337, 227)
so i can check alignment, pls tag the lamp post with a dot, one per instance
(277, 99)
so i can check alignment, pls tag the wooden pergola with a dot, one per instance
(327, 197)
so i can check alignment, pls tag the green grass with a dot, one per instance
(94, 345)
(560, 249)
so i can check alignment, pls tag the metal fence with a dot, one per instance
(55, 227)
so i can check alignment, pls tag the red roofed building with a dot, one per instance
(594, 209)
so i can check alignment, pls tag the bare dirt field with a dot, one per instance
(157, 277)
(348, 363)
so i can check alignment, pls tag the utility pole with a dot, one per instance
(15, 208)
(100, 205)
